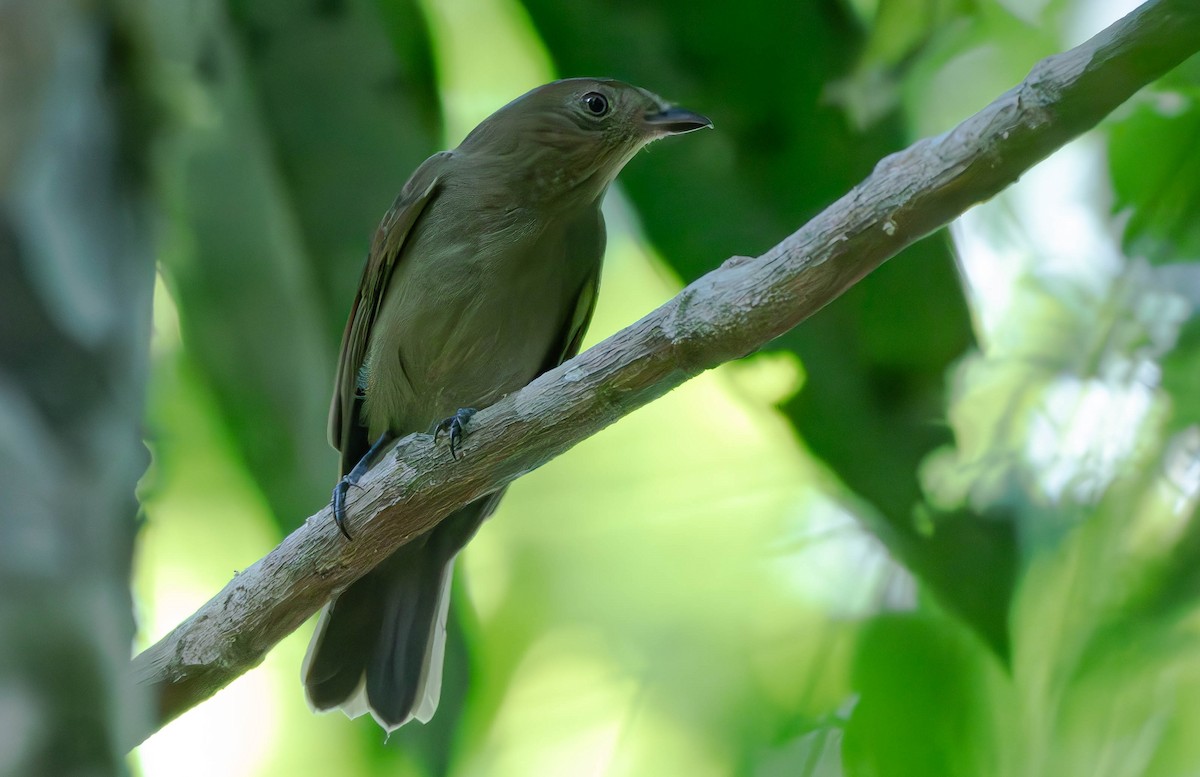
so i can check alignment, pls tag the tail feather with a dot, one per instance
(404, 676)
(341, 644)
(379, 645)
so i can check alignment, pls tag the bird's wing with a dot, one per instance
(588, 237)
(386, 251)
(577, 324)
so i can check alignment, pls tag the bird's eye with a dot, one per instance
(595, 103)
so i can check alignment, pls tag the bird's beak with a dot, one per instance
(675, 121)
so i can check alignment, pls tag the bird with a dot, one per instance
(482, 275)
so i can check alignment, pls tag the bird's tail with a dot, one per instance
(378, 646)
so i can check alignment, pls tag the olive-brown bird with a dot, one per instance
(482, 276)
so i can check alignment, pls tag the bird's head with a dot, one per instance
(570, 138)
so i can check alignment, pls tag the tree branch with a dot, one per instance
(726, 314)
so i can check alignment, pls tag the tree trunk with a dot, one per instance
(76, 283)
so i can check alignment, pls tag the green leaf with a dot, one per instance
(234, 258)
(1181, 371)
(899, 31)
(348, 99)
(1154, 156)
(929, 695)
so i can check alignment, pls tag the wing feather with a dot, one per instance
(588, 239)
(387, 249)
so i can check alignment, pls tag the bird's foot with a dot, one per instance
(456, 427)
(351, 478)
(339, 503)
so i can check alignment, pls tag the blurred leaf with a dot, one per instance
(817, 753)
(964, 65)
(1181, 375)
(1154, 156)
(1132, 712)
(1098, 662)
(234, 260)
(901, 26)
(927, 703)
(899, 30)
(1097, 684)
(348, 98)
(970, 561)
(1160, 560)
(1023, 410)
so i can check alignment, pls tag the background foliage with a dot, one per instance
(946, 527)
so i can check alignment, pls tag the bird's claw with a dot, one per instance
(339, 504)
(456, 427)
(352, 477)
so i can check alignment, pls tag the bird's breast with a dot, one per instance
(472, 316)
